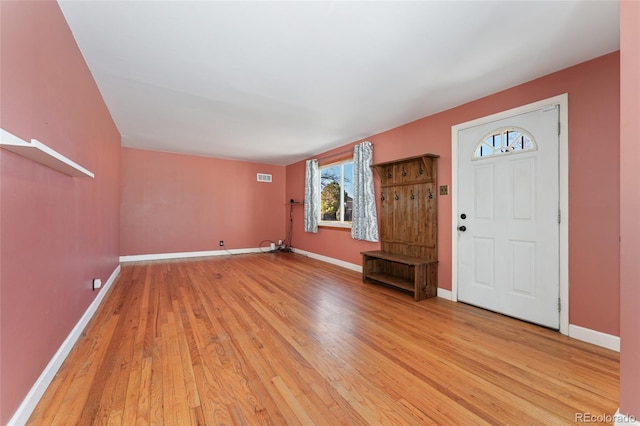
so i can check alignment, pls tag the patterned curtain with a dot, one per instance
(311, 198)
(364, 222)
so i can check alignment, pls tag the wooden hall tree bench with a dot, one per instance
(408, 258)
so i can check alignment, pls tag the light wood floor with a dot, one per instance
(283, 339)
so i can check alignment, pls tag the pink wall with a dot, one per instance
(594, 130)
(58, 232)
(629, 208)
(183, 203)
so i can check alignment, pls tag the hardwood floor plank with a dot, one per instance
(271, 339)
(156, 385)
(132, 396)
(182, 335)
(142, 405)
(297, 403)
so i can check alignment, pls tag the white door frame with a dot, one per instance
(563, 101)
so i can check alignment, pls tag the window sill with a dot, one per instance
(338, 226)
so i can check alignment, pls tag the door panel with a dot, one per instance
(523, 197)
(523, 267)
(483, 194)
(484, 261)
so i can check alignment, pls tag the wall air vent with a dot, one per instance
(263, 177)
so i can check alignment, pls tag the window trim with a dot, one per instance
(340, 225)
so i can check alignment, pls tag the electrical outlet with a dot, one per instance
(279, 242)
(97, 283)
(221, 243)
(444, 190)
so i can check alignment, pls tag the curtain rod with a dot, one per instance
(346, 151)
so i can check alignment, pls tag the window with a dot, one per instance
(336, 194)
(510, 140)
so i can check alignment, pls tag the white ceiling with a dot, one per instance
(277, 82)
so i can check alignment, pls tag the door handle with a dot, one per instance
(462, 228)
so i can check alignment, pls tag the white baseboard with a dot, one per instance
(445, 294)
(29, 403)
(331, 260)
(186, 254)
(623, 419)
(595, 337)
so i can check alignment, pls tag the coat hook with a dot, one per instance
(413, 197)
(382, 197)
(421, 171)
(430, 194)
(389, 175)
(396, 196)
(404, 172)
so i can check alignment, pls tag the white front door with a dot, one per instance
(508, 216)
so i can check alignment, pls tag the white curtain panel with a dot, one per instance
(364, 222)
(311, 196)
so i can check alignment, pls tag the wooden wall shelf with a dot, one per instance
(41, 153)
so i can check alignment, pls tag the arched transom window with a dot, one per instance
(507, 140)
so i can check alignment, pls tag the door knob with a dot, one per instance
(462, 228)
